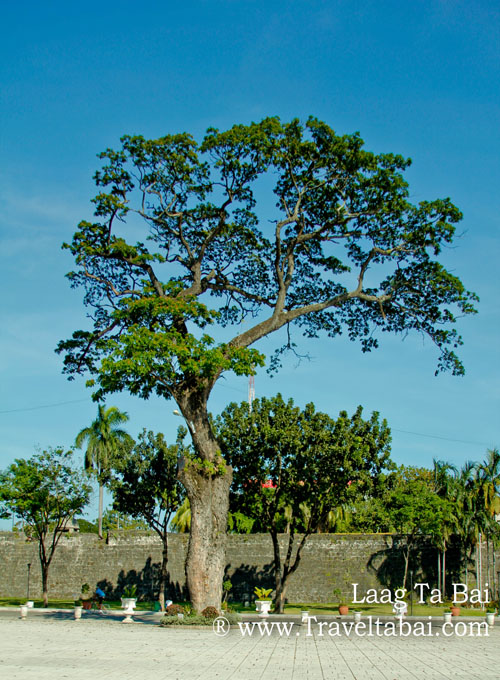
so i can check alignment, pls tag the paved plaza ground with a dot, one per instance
(52, 646)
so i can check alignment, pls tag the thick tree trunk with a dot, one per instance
(283, 573)
(207, 480)
(206, 558)
(163, 573)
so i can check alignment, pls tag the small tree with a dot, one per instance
(415, 510)
(105, 442)
(291, 467)
(145, 486)
(45, 491)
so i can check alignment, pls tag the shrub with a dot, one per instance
(210, 613)
(174, 609)
(196, 620)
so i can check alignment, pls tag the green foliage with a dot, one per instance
(113, 520)
(197, 620)
(144, 482)
(181, 521)
(86, 527)
(105, 441)
(347, 250)
(263, 593)
(291, 466)
(130, 591)
(206, 467)
(45, 491)
(237, 522)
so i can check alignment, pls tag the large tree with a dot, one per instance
(292, 466)
(177, 246)
(46, 492)
(145, 486)
(106, 442)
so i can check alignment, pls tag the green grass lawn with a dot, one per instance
(314, 608)
(69, 604)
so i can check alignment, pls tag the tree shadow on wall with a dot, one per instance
(388, 564)
(245, 578)
(146, 581)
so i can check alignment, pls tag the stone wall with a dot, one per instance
(328, 561)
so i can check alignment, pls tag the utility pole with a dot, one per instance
(251, 391)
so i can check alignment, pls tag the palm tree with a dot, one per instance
(104, 441)
(488, 485)
(181, 521)
(445, 476)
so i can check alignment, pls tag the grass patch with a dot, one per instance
(314, 608)
(69, 603)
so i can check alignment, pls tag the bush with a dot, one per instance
(186, 621)
(174, 609)
(196, 620)
(210, 613)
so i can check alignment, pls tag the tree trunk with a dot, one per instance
(439, 570)
(206, 558)
(163, 573)
(45, 584)
(495, 579)
(407, 560)
(282, 574)
(207, 480)
(488, 578)
(99, 527)
(279, 601)
(444, 569)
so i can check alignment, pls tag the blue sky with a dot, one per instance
(420, 79)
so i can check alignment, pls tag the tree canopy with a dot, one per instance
(292, 467)
(342, 215)
(281, 225)
(45, 491)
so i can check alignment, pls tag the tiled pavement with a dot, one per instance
(53, 646)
